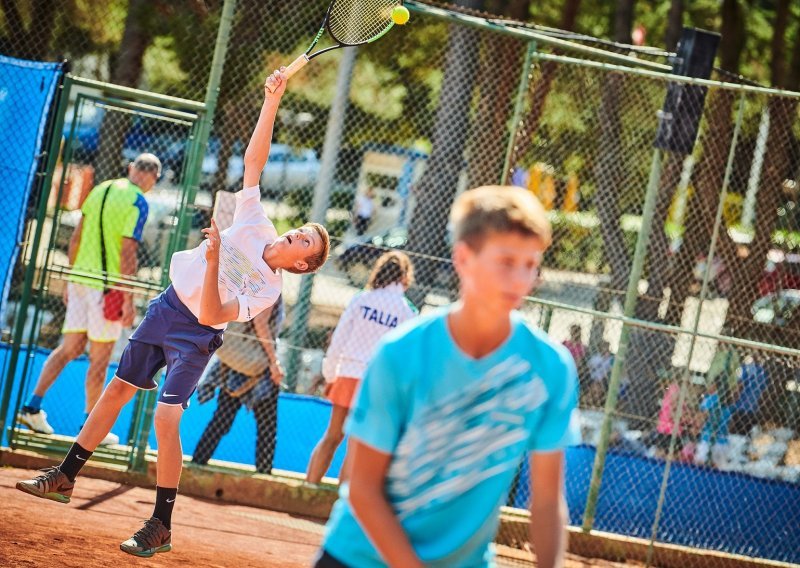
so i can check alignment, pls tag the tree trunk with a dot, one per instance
(674, 24)
(608, 173)
(709, 174)
(777, 65)
(439, 183)
(126, 71)
(623, 21)
(650, 352)
(238, 92)
(542, 87)
(777, 161)
(658, 247)
(490, 130)
(33, 43)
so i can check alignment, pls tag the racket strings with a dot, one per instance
(358, 21)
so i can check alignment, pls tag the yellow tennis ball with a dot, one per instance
(400, 15)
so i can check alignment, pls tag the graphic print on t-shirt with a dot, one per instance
(466, 438)
(237, 272)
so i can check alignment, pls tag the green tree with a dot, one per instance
(28, 29)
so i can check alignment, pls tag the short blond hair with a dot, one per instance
(316, 259)
(493, 209)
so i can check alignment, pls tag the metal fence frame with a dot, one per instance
(612, 62)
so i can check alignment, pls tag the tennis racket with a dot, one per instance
(349, 22)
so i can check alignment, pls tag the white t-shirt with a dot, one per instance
(368, 316)
(364, 206)
(243, 274)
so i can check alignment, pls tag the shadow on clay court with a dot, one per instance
(121, 490)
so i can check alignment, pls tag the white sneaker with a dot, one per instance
(36, 421)
(110, 440)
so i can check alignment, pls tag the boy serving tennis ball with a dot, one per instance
(453, 401)
(232, 276)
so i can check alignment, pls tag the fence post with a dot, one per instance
(631, 295)
(695, 325)
(519, 107)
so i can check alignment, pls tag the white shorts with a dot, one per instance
(85, 314)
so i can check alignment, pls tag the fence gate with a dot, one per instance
(98, 129)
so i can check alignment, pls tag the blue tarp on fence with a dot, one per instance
(704, 508)
(26, 91)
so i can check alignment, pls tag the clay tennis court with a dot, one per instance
(87, 531)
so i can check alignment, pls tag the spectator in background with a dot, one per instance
(668, 423)
(259, 394)
(753, 383)
(577, 349)
(118, 210)
(724, 373)
(364, 210)
(367, 318)
(713, 444)
(599, 367)
(575, 344)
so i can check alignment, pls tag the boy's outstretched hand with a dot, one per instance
(212, 234)
(275, 85)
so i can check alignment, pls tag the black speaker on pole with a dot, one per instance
(679, 119)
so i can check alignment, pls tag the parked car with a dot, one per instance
(356, 259)
(287, 168)
(142, 135)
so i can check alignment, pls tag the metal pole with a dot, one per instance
(519, 107)
(319, 206)
(631, 296)
(529, 34)
(30, 271)
(695, 325)
(672, 78)
(111, 90)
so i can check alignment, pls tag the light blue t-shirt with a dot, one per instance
(457, 429)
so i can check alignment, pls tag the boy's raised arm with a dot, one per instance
(255, 157)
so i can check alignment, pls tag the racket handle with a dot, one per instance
(293, 68)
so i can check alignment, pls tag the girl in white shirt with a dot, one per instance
(369, 315)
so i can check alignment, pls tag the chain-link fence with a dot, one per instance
(688, 366)
(102, 249)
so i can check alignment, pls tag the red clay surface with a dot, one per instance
(87, 531)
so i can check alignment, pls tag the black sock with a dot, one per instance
(165, 501)
(74, 461)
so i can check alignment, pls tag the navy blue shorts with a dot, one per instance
(169, 335)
